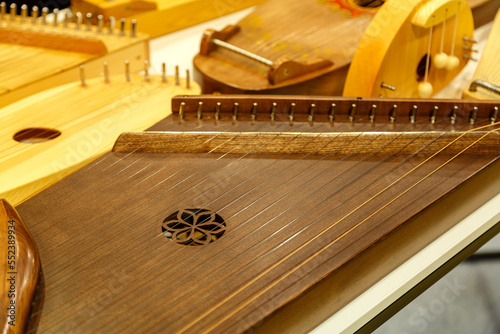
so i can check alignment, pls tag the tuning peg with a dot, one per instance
(100, 23)
(34, 14)
(24, 13)
(82, 75)
(112, 23)
(3, 10)
(89, 21)
(13, 12)
(45, 11)
(133, 31)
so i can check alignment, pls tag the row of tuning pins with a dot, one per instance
(351, 116)
(78, 19)
(146, 74)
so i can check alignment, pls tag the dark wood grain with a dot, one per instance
(293, 217)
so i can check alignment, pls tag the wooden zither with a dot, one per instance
(233, 206)
(37, 54)
(387, 48)
(48, 135)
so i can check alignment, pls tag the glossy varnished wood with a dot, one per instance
(292, 219)
(304, 32)
(19, 271)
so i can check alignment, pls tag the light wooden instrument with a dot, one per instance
(303, 48)
(414, 54)
(485, 83)
(53, 133)
(36, 56)
(280, 48)
(232, 207)
(159, 17)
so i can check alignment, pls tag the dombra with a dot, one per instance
(233, 206)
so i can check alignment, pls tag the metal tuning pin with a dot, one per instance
(253, 113)
(112, 23)
(133, 30)
(24, 13)
(122, 27)
(352, 113)
(127, 70)
(65, 20)
(473, 115)
(310, 113)
(79, 20)
(469, 57)
(291, 112)
(45, 11)
(199, 111)
(3, 10)
(146, 71)
(434, 113)
(413, 114)
(468, 48)
(217, 111)
(188, 82)
(272, 112)
(163, 72)
(82, 75)
(331, 112)
(386, 86)
(89, 21)
(106, 72)
(100, 23)
(393, 113)
(494, 115)
(34, 14)
(372, 113)
(56, 14)
(177, 80)
(13, 12)
(181, 110)
(236, 106)
(468, 39)
(454, 114)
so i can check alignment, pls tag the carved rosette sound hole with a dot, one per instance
(194, 227)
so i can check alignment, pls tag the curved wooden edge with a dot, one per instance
(359, 82)
(435, 12)
(19, 270)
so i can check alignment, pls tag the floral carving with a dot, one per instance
(194, 227)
